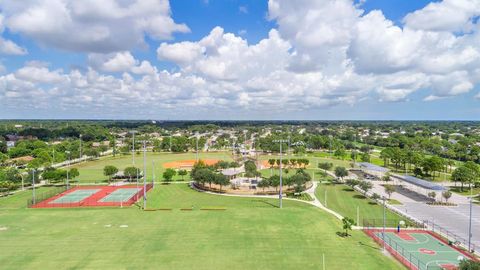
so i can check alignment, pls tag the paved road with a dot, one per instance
(452, 218)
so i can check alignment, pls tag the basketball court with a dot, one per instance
(420, 249)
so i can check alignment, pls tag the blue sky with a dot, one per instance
(233, 59)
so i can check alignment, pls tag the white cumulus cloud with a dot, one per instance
(88, 26)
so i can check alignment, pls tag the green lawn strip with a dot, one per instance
(301, 196)
(394, 202)
(466, 190)
(250, 234)
(344, 200)
(19, 199)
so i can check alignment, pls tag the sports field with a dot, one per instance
(88, 196)
(75, 196)
(92, 171)
(419, 250)
(250, 234)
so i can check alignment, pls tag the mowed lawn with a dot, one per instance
(92, 171)
(19, 199)
(250, 234)
(344, 200)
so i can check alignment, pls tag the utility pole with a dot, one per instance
(280, 165)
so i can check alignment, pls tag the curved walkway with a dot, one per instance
(310, 191)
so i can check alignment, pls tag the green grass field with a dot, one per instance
(92, 171)
(344, 200)
(19, 199)
(250, 234)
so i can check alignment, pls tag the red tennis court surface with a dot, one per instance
(88, 196)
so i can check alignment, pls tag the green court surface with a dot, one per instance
(423, 250)
(120, 195)
(76, 196)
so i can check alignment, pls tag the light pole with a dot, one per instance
(144, 175)
(354, 148)
(153, 174)
(330, 140)
(133, 146)
(23, 186)
(81, 154)
(68, 165)
(280, 165)
(384, 225)
(196, 144)
(288, 150)
(470, 226)
(33, 186)
(136, 170)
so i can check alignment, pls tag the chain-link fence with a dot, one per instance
(40, 197)
(448, 235)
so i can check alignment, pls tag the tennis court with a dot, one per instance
(120, 195)
(89, 196)
(76, 196)
(420, 250)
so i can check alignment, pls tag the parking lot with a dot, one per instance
(453, 218)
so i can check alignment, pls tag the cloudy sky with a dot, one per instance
(240, 59)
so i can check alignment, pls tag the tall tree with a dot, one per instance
(168, 175)
(347, 224)
(390, 189)
(182, 173)
(341, 172)
(110, 171)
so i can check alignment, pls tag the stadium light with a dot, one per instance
(281, 182)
